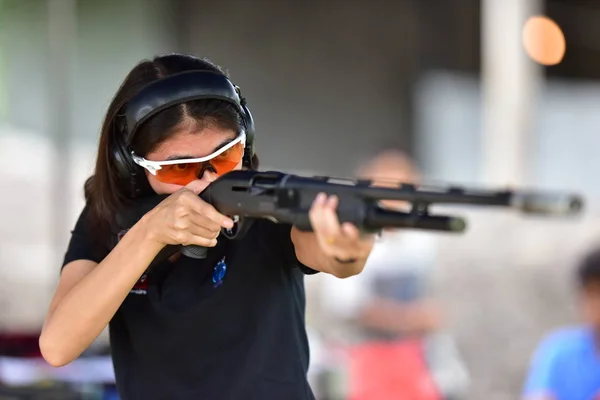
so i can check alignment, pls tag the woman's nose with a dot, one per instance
(206, 173)
(209, 175)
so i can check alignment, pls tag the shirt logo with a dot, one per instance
(141, 286)
(219, 273)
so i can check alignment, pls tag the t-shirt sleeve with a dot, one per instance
(286, 246)
(81, 244)
(541, 379)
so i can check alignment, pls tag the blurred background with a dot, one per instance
(467, 90)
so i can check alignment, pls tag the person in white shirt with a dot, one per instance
(391, 300)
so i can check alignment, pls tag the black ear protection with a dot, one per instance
(167, 92)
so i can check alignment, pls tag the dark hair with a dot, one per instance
(589, 269)
(106, 193)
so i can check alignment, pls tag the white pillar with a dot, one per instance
(61, 42)
(510, 81)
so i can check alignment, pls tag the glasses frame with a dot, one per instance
(154, 166)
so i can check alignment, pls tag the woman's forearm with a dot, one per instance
(86, 309)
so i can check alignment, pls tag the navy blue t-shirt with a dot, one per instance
(177, 336)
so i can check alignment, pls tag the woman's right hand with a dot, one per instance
(184, 218)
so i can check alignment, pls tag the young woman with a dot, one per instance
(229, 326)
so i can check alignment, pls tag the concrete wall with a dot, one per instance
(326, 81)
(111, 37)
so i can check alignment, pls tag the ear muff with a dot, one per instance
(123, 162)
(248, 122)
(169, 91)
(126, 169)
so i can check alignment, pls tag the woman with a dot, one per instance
(229, 326)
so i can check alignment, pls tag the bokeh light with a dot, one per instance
(543, 40)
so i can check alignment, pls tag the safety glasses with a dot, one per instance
(181, 172)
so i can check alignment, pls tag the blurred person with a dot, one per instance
(398, 304)
(398, 347)
(566, 364)
(230, 326)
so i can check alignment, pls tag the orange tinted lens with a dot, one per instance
(184, 173)
(228, 160)
(179, 174)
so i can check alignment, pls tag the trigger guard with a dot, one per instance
(230, 233)
(233, 232)
(240, 227)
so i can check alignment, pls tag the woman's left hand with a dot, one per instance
(342, 242)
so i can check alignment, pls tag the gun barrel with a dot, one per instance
(547, 204)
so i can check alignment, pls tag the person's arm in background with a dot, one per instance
(413, 318)
(540, 382)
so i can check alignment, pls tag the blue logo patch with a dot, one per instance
(219, 273)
